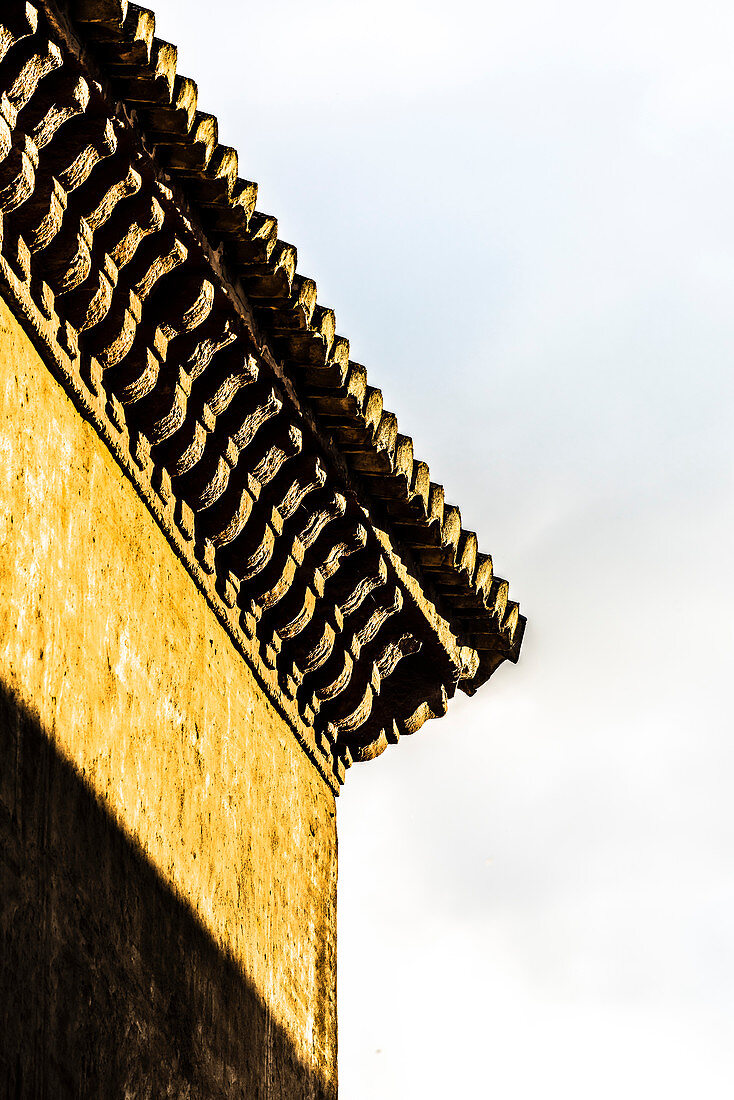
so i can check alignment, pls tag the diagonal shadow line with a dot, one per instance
(110, 985)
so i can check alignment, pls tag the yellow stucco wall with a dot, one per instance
(114, 656)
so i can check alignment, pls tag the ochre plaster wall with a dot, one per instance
(167, 851)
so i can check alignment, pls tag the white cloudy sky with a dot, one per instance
(522, 214)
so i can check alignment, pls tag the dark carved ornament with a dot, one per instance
(174, 317)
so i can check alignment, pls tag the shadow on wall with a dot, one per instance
(109, 984)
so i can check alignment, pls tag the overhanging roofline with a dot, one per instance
(184, 142)
(175, 318)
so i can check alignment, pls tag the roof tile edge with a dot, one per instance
(89, 237)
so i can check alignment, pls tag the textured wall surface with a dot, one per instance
(167, 851)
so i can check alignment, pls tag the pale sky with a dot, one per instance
(521, 213)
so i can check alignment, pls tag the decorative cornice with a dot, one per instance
(172, 314)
